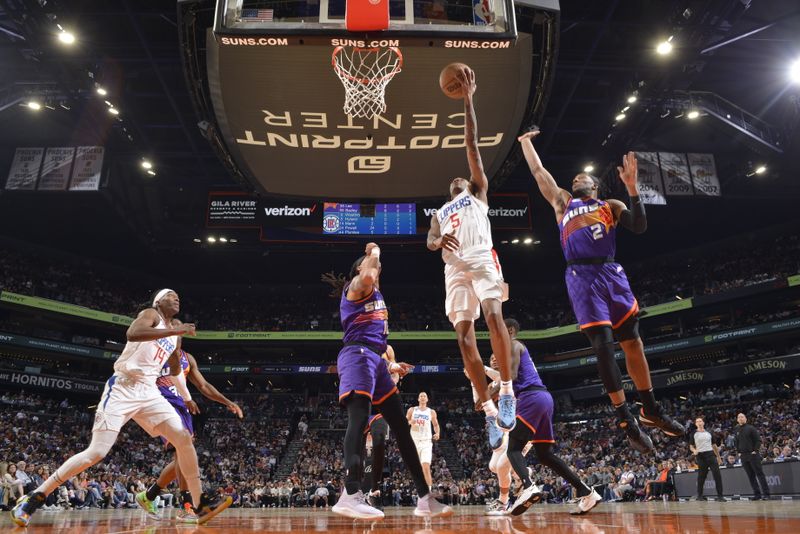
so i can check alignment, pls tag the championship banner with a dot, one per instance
(675, 170)
(56, 169)
(651, 188)
(88, 169)
(704, 174)
(24, 169)
(59, 383)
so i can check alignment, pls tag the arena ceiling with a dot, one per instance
(606, 52)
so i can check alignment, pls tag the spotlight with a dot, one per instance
(794, 71)
(515, 241)
(101, 91)
(234, 240)
(113, 111)
(146, 164)
(588, 168)
(632, 99)
(211, 239)
(66, 37)
(197, 240)
(151, 172)
(619, 117)
(537, 242)
(761, 169)
(34, 105)
(665, 47)
(528, 240)
(692, 115)
(223, 239)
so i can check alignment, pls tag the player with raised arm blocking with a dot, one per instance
(598, 288)
(473, 278)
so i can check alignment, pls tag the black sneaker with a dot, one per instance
(701, 498)
(636, 436)
(662, 421)
(721, 499)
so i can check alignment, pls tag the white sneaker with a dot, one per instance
(529, 496)
(356, 506)
(427, 506)
(586, 503)
(496, 508)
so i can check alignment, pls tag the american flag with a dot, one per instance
(256, 15)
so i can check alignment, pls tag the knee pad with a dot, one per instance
(629, 330)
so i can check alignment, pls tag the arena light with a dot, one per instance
(515, 241)
(632, 99)
(761, 169)
(211, 239)
(101, 91)
(113, 111)
(197, 240)
(146, 164)
(67, 38)
(794, 71)
(619, 117)
(504, 242)
(234, 240)
(151, 172)
(692, 115)
(528, 240)
(223, 239)
(537, 242)
(34, 105)
(589, 168)
(664, 48)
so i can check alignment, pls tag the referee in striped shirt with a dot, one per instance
(707, 454)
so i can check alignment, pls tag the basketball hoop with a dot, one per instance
(365, 73)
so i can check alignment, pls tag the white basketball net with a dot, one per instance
(365, 73)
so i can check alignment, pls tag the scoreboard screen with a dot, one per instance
(369, 219)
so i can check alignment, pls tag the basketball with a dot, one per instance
(450, 82)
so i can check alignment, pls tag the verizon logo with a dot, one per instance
(430, 212)
(506, 212)
(287, 211)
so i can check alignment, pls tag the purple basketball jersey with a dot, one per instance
(588, 230)
(366, 320)
(527, 375)
(164, 382)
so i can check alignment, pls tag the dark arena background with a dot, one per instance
(203, 146)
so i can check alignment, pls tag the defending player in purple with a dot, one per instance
(598, 288)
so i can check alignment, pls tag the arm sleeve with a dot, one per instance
(635, 218)
(180, 384)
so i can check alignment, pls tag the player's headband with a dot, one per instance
(160, 295)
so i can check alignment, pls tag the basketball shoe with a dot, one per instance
(25, 508)
(427, 506)
(355, 506)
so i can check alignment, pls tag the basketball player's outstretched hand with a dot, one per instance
(404, 368)
(186, 329)
(369, 248)
(529, 135)
(467, 77)
(236, 410)
(629, 172)
(450, 242)
(193, 408)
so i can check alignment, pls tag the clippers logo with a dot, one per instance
(369, 164)
(331, 224)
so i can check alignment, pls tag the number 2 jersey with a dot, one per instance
(588, 230)
(467, 217)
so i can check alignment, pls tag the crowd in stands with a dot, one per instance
(243, 458)
(276, 308)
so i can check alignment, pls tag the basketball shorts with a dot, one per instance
(424, 450)
(361, 371)
(535, 411)
(124, 399)
(470, 279)
(176, 401)
(600, 295)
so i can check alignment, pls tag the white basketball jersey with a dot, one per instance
(145, 359)
(467, 218)
(421, 424)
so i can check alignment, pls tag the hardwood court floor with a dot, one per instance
(640, 518)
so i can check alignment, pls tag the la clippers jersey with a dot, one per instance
(366, 320)
(467, 218)
(165, 383)
(527, 375)
(421, 424)
(145, 359)
(588, 230)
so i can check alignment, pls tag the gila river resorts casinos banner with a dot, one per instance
(313, 219)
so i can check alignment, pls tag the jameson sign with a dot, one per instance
(69, 385)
